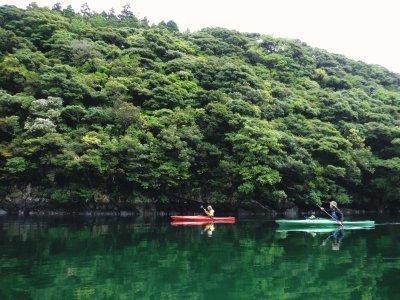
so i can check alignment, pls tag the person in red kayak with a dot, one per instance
(209, 211)
(335, 212)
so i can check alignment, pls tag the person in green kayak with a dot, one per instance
(335, 212)
(208, 211)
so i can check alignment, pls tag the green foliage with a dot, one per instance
(16, 165)
(97, 103)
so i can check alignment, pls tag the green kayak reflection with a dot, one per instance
(333, 236)
(322, 230)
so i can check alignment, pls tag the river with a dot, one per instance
(126, 258)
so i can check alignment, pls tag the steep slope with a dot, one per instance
(105, 109)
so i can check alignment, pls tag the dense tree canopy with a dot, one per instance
(103, 108)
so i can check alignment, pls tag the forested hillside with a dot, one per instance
(105, 108)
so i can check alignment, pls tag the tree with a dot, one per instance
(13, 75)
(68, 12)
(86, 10)
(172, 26)
(126, 12)
(8, 41)
(57, 6)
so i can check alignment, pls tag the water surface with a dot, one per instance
(84, 258)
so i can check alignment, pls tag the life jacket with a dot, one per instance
(336, 215)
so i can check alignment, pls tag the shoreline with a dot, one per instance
(150, 212)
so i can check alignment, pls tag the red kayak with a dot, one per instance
(199, 220)
(199, 223)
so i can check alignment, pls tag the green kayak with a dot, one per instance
(322, 223)
(321, 230)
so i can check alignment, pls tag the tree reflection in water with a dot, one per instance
(85, 258)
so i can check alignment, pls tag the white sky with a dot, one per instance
(367, 30)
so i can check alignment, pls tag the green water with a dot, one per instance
(78, 258)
